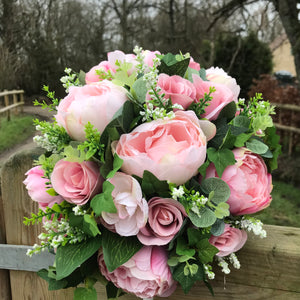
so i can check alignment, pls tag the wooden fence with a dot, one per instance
(292, 129)
(270, 267)
(11, 101)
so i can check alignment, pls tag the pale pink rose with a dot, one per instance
(149, 56)
(95, 103)
(194, 65)
(131, 206)
(218, 75)
(146, 274)
(231, 240)
(165, 220)
(76, 182)
(36, 185)
(171, 149)
(221, 97)
(92, 76)
(249, 182)
(180, 90)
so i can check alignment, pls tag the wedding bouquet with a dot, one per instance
(152, 171)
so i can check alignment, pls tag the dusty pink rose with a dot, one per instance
(171, 149)
(37, 188)
(231, 240)
(249, 182)
(110, 65)
(165, 220)
(146, 274)
(131, 206)
(221, 97)
(194, 65)
(76, 182)
(180, 90)
(218, 75)
(95, 103)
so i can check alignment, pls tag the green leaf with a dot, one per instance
(203, 168)
(173, 261)
(242, 122)
(52, 283)
(257, 146)
(187, 281)
(207, 217)
(221, 159)
(183, 249)
(272, 140)
(190, 72)
(104, 201)
(242, 139)
(218, 186)
(90, 226)
(169, 65)
(112, 292)
(218, 228)
(222, 210)
(152, 186)
(85, 294)
(117, 164)
(202, 74)
(71, 256)
(139, 90)
(222, 129)
(118, 249)
(228, 112)
(206, 251)
(81, 77)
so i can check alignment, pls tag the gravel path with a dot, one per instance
(40, 113)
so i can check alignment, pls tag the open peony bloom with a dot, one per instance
(76, 182)
(218, 75)
(95, 103)
(165, 220)
(221, 97)
(131, 206)
(37, 188)
(171, 149)
(231, 240)
(146, 274)
(249, 182)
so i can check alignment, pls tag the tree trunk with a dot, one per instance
(288, 13)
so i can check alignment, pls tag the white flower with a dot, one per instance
(177, 192)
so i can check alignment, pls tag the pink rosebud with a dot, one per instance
(146, 274)
(165, 220)
(149, 56)
(218, 75)
(231, 240)
(180, 90)
(249, 182)
(37, 186)
(76, 182)
(95, 103)
(171, 149)
(194, 65)
(220, 98)
(131, 206)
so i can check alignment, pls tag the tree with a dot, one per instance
(288, 12)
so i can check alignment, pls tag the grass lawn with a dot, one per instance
(285, 206)
(15, 131)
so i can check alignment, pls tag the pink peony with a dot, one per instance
(218, 75)
(95, 103)
(249, 182)
(146, 274)
(131, 206)
(171, 149)
(111, 64)
(231, 240)
(194, 65)
(37, 188)
(165, 220)
(76, 182)
(221, 97)
(180, 90)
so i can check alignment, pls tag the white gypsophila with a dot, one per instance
(224, 265)
(234, 260)
(177, 106)
(177, 192)
(50, 144)
(254, 225)
(78, 211)
(202, 200)
(208, 271)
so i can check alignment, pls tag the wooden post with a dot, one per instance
(4, 274)
(22, 100)
(15, 101)
(17, 204)
(6, 103)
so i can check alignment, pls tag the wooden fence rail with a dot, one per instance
(11, 103)
(270, 267)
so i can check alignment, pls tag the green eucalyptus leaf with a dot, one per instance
(139, 90)
(222, 210)
(218, 186)
(218, 227)
(256, 146)
(207, 217)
